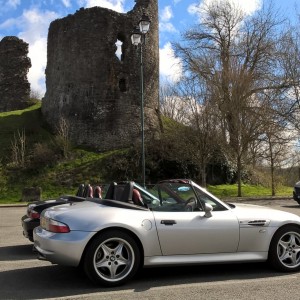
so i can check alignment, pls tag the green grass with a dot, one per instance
(227, 190)
(52, 189)
(29, 119)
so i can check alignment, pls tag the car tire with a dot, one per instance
(284, 252)
(112, 258)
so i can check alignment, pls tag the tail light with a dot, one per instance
(31, 213)
(54, 226)
(34, 214)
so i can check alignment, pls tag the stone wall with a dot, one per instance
(14, 66)
(98, 93)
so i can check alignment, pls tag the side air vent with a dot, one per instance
(254, 223)
(257, 223)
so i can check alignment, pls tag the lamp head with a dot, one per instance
(136, 37)
(144, 24)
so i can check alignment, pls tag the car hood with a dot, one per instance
(261, 215)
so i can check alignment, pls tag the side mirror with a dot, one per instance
(208, 209)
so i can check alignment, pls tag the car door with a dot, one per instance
(191, 232)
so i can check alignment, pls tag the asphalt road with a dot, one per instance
(22, 276)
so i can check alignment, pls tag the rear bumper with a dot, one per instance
(28, 225)
(61, 248)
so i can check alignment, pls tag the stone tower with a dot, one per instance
(97, 92)
(14, 66)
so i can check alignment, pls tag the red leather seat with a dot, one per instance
(136, 197)
(88, 191)
(98, 192)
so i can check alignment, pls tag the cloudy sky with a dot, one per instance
(30, 19)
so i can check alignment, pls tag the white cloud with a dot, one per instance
(166, 14)
(194, 9)
(117, 5)
(38, 56)
(33, 25)
(168, 27)
(66, 3)
(247, 6)
(170, 66)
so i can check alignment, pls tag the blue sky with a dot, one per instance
(30, 19)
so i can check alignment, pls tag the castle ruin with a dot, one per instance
(14, 66)
(97, 92)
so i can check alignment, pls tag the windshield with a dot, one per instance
(205, 197)
(180, 196)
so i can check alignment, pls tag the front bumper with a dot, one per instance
(61, 248)
(28, 225)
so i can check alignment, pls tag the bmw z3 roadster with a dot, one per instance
(175, 223)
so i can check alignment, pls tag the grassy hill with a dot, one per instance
(59, 176)
(29, 119)
(56, 175)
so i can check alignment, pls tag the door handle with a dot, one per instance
(168, 222)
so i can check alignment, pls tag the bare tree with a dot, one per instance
(203, 123)
(277, 146)
(194, 136)
(237, 58)
(18, 148)
(63, 136)
(289, 48)
(35, 94)
(172, 104)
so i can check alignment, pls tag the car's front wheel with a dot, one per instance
(284, 253)
(112, 258)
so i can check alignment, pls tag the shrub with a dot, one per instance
(43, 155)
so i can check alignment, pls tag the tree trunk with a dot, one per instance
(239, 176)
(203, 176)
(272, 178)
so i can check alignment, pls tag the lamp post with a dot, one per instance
(138, 40)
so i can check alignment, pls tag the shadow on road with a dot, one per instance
(291, 206)
(20, 252)
(57, 281)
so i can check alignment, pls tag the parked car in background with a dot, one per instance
(296, 192)
(34, 209)
(175, 223)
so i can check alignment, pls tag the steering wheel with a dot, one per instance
(190, 204)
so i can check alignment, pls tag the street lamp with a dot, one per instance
(138, 39)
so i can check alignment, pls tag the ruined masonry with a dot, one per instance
(14, 66)
(96, 91)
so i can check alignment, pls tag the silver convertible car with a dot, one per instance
(175, 223)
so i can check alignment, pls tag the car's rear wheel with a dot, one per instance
(112, 258)
(284, 253)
